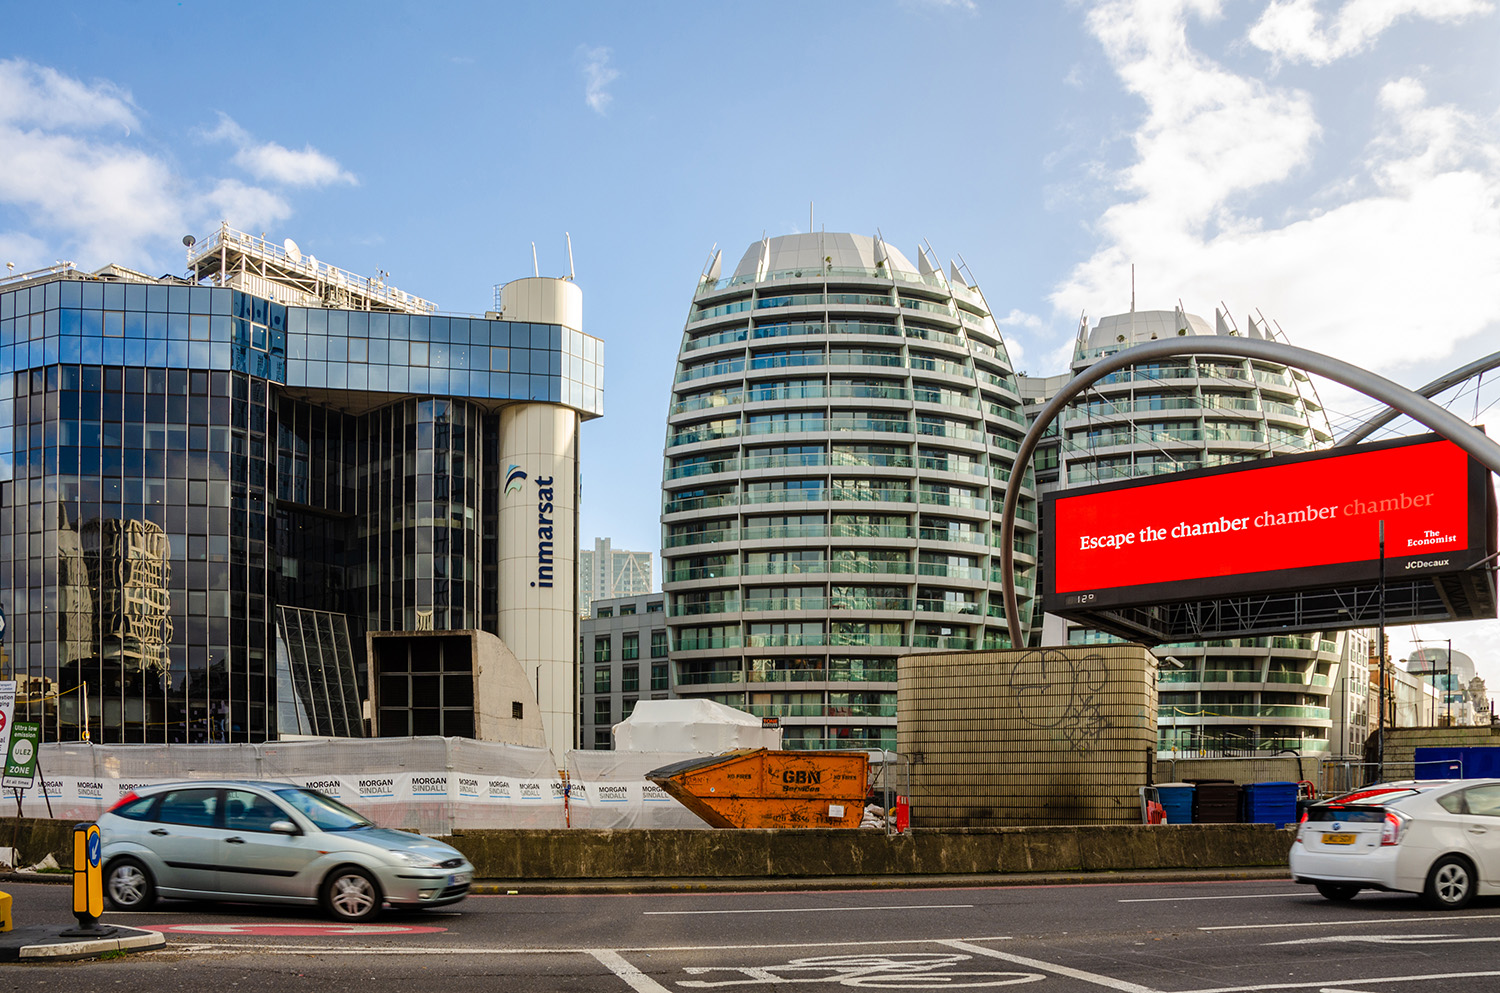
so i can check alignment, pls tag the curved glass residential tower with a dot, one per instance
(843, 424)
(1196, 412)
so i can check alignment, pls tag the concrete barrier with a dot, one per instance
(681, 854)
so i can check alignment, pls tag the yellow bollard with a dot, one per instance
(5, 921)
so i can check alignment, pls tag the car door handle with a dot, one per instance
(161, 832)
(234, 841)
(1476, 830)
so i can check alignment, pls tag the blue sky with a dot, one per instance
(1334, 165)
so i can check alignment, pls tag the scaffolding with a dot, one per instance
(284, 274)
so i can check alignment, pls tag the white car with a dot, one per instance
(272, 843)
(1440, 839)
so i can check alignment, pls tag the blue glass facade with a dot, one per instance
(177, 462)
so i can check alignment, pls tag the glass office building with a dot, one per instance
(210, 494)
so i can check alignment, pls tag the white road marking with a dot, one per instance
(303, 949)
(634, 978)
(1389, 939)
(1108, 982)
(1346, 923)
(804, 910)
(1233, 896)
(1368, 980)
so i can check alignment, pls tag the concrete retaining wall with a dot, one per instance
(627, 854)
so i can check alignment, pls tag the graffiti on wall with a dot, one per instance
(1061, 691)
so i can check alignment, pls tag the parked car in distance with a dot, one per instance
(268, 842)
(1440, 839)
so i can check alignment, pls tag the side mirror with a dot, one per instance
(284, 827)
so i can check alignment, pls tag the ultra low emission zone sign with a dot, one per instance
(20, 758)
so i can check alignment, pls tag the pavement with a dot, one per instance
(43, 942)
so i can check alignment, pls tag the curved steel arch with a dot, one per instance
(1398, 397)
(1432, 389)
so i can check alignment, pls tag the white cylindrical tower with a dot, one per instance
(538, 517)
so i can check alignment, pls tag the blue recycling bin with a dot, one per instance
(1270, 803)
(1177, 801)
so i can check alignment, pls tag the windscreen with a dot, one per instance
(325, 812)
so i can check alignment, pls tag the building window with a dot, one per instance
(654, 606)
(601, 679)
(627, 610)
(601, 649)
(606, 612)
(601, 711)
(601, 739)
(516, 710)
(627, 708)
(659, 676)
(658, 644)
(630, 646)
(630, 678)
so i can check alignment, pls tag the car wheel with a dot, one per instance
(1450, 883)
(128, 885)
(351, 894)
(1338, 892)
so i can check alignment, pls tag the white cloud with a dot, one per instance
(39, 95)
(243, 206)
(275, 163)
(86, 190)
(1392, 263)
(1294, 30)
(597, 75)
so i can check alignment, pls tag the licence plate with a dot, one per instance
(459, 878)
(1338, 839)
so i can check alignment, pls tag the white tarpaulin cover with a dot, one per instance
(430, 784)
(701, 726)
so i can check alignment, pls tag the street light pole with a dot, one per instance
(1380, 664)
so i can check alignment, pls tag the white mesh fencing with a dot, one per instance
(431, 785)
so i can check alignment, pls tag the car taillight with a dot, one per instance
(1392, 829)
(1303, 818)
(127, 798)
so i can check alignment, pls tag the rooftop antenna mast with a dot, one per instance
(809, 217)
(1132, 287)
(535, 269)
(571, 274)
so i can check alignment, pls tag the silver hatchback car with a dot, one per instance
(273, 843)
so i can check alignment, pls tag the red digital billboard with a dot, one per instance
(1300, 522)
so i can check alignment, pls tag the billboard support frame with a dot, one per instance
(1413, 404)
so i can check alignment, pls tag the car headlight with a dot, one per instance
(415, 860)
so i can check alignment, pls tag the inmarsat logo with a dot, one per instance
(514, 477)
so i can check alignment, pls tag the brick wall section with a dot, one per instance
(1041, 736)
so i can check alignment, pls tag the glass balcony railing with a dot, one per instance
(702, 468)
(796, 567)
(1242, 710)
(709, 678)
(720, 338)
(708, 401)
(700, 538)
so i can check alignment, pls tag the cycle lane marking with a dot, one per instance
(1108, 982)
(633, 977)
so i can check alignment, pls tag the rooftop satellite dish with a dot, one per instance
(189, 240)
(292, 250)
